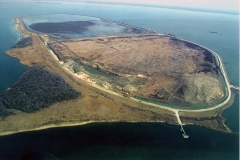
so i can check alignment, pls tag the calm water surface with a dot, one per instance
(129, 140)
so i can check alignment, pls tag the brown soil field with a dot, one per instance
(175, 70)
(96, 105)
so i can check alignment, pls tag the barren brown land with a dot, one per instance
(156, 68)
(153, 67)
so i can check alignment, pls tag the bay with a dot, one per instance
(123, 141)
(129, 140)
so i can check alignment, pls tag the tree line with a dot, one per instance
(23, 43)
(37, 88)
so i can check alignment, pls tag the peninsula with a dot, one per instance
(134, 75)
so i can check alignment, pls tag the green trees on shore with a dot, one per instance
(23, 43)
(37, 88)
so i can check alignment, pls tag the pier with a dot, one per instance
(180, 123)
(234, 87)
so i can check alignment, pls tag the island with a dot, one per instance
(122, 73)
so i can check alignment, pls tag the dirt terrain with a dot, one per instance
(92, 105)
(170, 70)
(97, 105)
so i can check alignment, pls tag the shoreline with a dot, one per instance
(172, 110)
(45, 127)
(6, 133)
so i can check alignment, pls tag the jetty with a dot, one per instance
(234, 86)
(180, 123)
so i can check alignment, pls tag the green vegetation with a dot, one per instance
(37, 88)
(4, 111)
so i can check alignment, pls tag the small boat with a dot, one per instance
(212, 32)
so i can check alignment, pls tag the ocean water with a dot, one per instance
(124, 141)
(129, 140)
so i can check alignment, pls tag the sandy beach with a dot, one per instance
(46, 127)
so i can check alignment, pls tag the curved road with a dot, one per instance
(221, 66)
(176, 111)
(156, 105)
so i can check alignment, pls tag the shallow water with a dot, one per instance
(100, 27)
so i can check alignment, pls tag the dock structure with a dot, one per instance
(234, 87)
(180, 123)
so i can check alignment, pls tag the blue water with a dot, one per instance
(126, 140)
